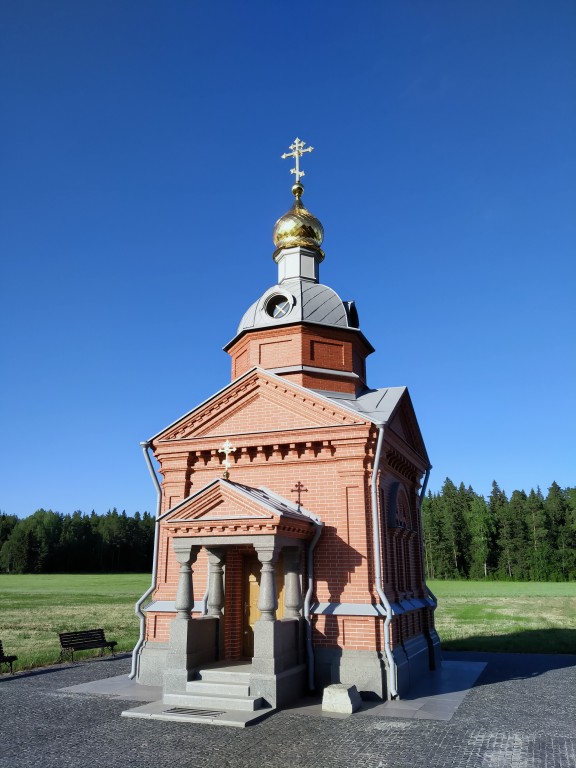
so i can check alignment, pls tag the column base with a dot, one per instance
(279, 690)
(151, 663)
(192, 642)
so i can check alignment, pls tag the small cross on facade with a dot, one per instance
(299, 489)
(297, 151)
(226, 449)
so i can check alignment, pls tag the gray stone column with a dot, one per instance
(186, 557)
(267, 597)
(292, 587)
(181, 659)
(216, 559)
(277, 676)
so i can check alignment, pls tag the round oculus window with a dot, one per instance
(278, 306)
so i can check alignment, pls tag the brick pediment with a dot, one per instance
(258, 402)
(228, 508)
(403, 423)
(217, 503)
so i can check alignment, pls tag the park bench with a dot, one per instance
(84, 640)
(7, 659)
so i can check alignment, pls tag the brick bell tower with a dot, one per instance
(300, 329)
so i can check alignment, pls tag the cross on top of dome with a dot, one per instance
(298, 150)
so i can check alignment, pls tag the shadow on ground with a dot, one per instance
(554, 640)
(503, 667)
(7, 678)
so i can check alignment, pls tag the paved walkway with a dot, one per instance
(521, 713)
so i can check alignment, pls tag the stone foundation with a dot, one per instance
(364, 669)
(151, 663)
(368, 670)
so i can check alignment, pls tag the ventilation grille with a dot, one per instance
(190, 712)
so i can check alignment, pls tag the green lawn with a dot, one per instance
(471, 615)
(527, 617)
(34, 609)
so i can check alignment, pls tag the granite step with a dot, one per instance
(215, 702)
(224, 674)
(158, 710)
(221, 688)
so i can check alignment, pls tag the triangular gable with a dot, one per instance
(217, 501)
(223, 506)
(403, 422)
(259, 401)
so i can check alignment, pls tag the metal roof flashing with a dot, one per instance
(375, 405)
(355, 331)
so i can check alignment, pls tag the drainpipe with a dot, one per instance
(421, 497)
(307, 599)
(378, 564)
(138, 607)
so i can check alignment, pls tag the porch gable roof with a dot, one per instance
(224, 506)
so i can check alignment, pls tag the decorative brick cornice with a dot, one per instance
(401, 464)
(290, 528)
(270, 453)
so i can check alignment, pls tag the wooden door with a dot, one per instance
(250, 592)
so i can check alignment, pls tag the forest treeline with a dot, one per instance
(524, 537)
(50, 542)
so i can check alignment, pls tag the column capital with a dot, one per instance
(186, 556)
(184, 551)
(216, 555)
(267, 554)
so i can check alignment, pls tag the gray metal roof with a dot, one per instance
(377, 405)
(267, 498)
(311, 302)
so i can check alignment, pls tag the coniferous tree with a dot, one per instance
(556, 505)
(7, 525)
(538, 536)
(452, 544)
(518, 536)
(501, 559)
(432, 533)
(571, 532)
(481, 531)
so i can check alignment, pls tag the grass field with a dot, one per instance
(472, 615)
(34, 609)
(528, 617)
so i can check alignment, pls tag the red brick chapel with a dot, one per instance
(289, 542)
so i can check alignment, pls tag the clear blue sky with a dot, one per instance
(140, 178)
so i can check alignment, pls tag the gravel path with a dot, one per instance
(520, 713)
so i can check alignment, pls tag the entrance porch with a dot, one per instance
(244, 629)
(256, 543)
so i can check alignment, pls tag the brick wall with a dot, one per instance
(296, 345)
(285, 437)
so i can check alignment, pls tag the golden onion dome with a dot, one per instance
(298, 227)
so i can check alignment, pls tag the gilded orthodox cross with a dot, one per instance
(299, 489)
(226, 449)
(297, 151)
